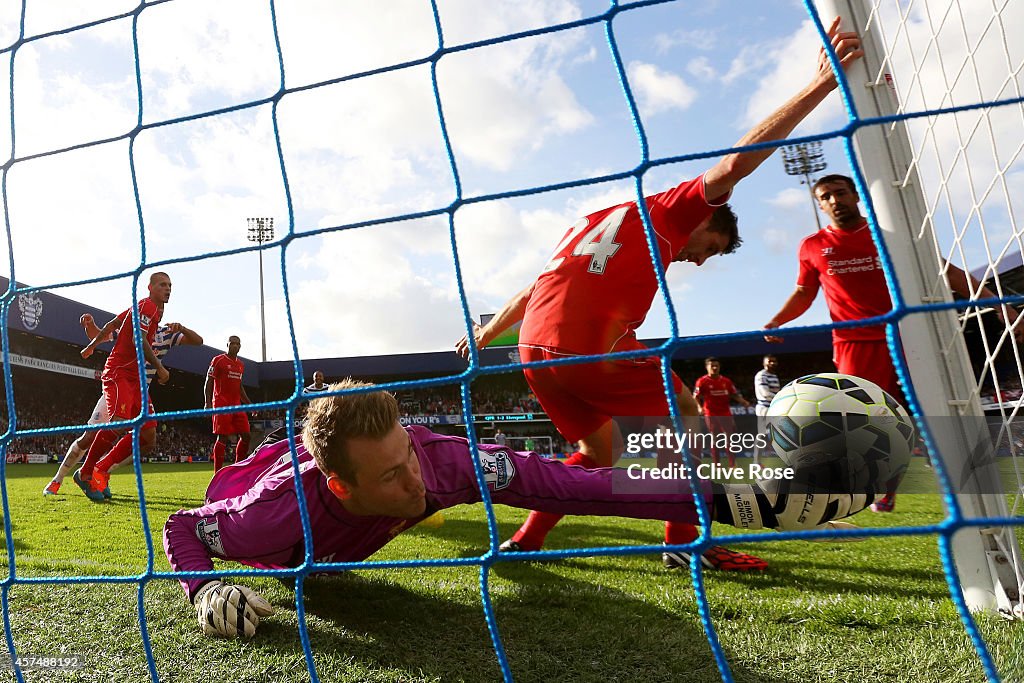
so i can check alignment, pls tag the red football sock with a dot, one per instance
(241, 450)
(678, 533)
(218, 455)
(535, 529)
(121, 450)
(105, 438)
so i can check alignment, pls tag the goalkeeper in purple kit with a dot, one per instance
(366, 479)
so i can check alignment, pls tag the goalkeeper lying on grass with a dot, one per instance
(366, 479)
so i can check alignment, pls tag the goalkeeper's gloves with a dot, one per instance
(229, 611)
(774, 504)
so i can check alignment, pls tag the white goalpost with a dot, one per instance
(940, 186)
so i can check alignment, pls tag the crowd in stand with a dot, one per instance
(38, 406)
(447, 400)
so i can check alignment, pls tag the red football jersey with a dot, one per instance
(599, 284)
(846, 265)
(122, 357)
(716, 392)
(227, 380)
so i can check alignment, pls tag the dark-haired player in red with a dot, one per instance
(842, 260)
(224, 388)
(598, 288)
(120, 378)
(715, 393)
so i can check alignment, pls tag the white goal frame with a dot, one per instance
(987, 558)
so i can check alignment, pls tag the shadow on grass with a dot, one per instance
(789, 561)
(552, 629)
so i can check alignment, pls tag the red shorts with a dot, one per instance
(870, 360)
(231, 423)
(720, 424)
(580, 398)
(122, 394)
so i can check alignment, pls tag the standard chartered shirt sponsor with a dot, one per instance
(853, 265)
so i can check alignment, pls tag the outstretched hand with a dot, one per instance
(770, 338)
(462, 346)
(848, 49)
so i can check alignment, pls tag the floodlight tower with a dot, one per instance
(262, 230)
(803, 159)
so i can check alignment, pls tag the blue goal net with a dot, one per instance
(162, 118)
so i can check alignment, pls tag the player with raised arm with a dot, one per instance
(167, 336)
(597, 289)
(121, 389)
(224, 388)
(715, 393)
(766, 385)
(842, 260)
(366, 478)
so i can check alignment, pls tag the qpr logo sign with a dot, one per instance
(31, 308)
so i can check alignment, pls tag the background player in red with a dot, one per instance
(120, 379)
(167, 336)
(715, 392)
(842, 260)
(597, 289)
(224, 388)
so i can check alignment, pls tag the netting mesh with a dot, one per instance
(968, 160)
(974, 202)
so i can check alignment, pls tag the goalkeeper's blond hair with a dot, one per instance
(333, 420)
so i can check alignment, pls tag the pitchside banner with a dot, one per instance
(428, 420)
(53, 366)
(829, 453)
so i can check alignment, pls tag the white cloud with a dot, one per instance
(659, 91)
(326, 39)
(364, 149)
(205, 55)
(699, 39)
(54, 15)
(69, 90)
(777, 240)
(790, 198)
(503, 102)
(376, 295)
(701, 68)
(69, 222)
(465, 21)
(794, 61)
(199, 182)
(743, 63)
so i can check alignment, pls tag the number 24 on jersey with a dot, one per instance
(598, 243)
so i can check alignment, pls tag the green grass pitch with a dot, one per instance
(877, 610)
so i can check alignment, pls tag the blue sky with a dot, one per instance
(522, 114)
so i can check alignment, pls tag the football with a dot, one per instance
(840, 433)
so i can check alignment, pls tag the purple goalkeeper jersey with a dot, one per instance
(252, 513)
